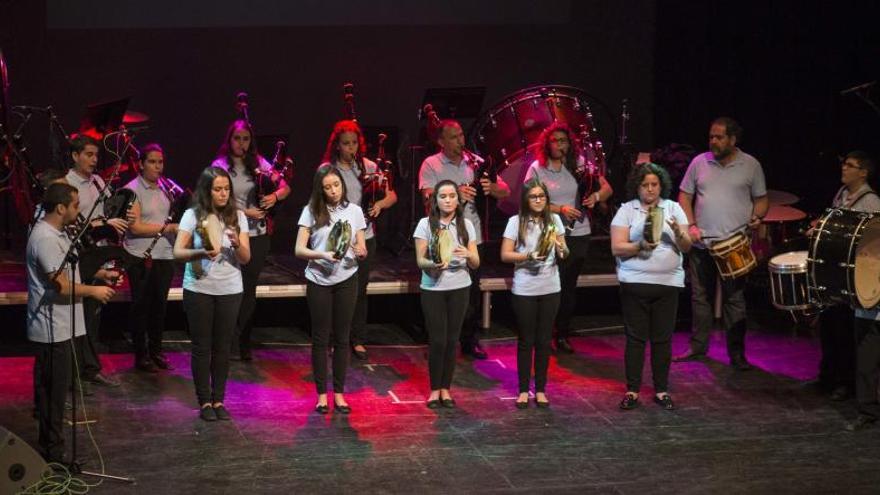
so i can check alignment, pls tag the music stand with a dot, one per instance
(104, 116)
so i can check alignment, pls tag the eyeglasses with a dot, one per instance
(537, 197)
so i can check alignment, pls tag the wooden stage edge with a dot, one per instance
(487, 285)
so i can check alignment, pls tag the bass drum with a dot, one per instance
(844, 259)
(507, 134)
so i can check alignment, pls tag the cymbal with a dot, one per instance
(782, 213)
(781, 198)
(132, 117)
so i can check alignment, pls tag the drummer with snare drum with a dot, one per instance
(722, 193)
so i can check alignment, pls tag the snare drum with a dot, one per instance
(789, 288)
(733, 256)
(844, 259)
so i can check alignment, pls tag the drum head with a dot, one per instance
(508, 131)
(213, 230)
(793, 262)
(654, 225)
(445, 245)
(867, 277)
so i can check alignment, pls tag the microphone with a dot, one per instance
(858, 88)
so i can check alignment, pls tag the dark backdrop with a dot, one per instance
(185, 75)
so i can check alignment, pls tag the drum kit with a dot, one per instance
(841, 266)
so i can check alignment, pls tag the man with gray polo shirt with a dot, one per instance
(455, 163)
(728, 187)
(50, 319)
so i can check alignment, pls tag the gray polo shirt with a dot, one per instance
(155, 206)
(563, 188)
(456, 275)
(723, 194)
(438, 168)
(353, 187)
(48, 312)
(89, 190)
(865, 199)
(245, 191)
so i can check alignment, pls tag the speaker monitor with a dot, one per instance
(20, 465)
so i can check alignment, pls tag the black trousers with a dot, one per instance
(331, 308)
(534, 317)
(837, 340)
(444, 312)
(569, 271)
(87, 345)
(649, 312)
(704, 274)
(867, 366)
(250, 276)
(149, 295)
(52, 370)
(359, 322)
(471, 329)
(211, 325)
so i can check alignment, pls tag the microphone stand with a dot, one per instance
(71, 259)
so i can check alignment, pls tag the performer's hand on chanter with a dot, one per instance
(570, 212)
(467, 192)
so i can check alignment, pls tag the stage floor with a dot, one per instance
(733, 432)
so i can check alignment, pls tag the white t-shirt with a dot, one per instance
(323, 272)
(456, 275)
(353, 185)
(661, 266)
(533, 278)
(222, 276)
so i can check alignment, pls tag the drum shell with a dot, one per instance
(789, 286)
(733, 256)
(507, 134)
(832, 258)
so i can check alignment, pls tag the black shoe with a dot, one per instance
(346, 409)
(474, 351)
(146, 365)
(522, 405)
(839, 394)
(740, 364)
(161, 362)
(433, 404)
(104, 380)
(862, 422)
(448, 403)
(665, 402)
(689, 356)
(322, 408)
(221, 413)
(207, 413)
(629, 402)
(542, 404)
(362, 355)
(563, 345)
